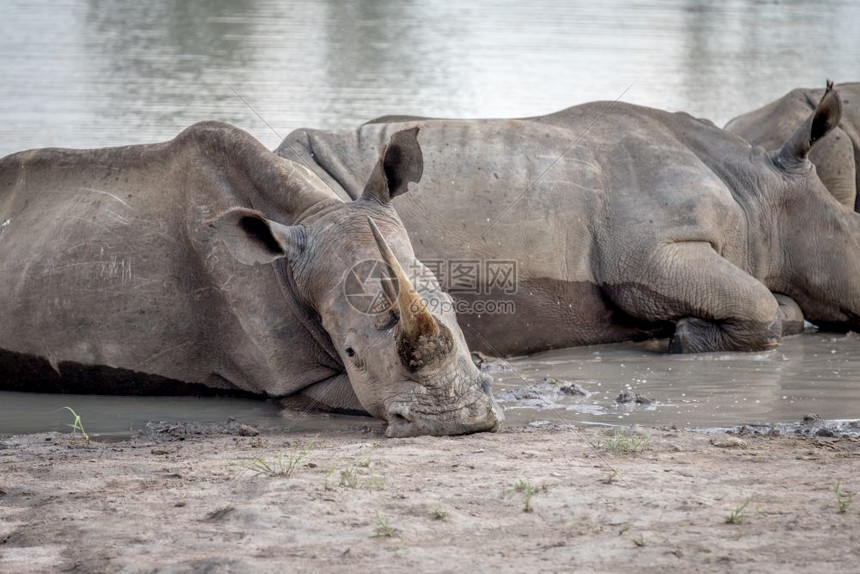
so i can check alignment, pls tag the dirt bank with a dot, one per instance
(357, 501)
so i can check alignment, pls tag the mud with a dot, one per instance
(542, 395)
(359, 502)
(811, 426)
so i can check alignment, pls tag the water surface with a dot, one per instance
(110, 72)
(812, 373)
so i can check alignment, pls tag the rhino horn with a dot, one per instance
(415, 319)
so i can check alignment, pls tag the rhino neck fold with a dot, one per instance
(344, 159)
(821, 275)
(295, 182)
(307, 316)
(324, 159)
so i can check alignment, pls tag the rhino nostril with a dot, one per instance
(486, 383)
(398, 416)
(399, 425)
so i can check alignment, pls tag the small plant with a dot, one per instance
(527, 490)
(523, 485)
(610, 478)
(366, 461)
(374, 482)
(623, 442)
(282, 465)
(639, 542)
(259, 466)
(328, 473)
(77, 427)
(739, 513)
(624, 528)
(349, 478)
(438, 513)
(384, 529)
(843, 499)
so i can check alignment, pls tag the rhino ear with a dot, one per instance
(253, 239)
(822, 121)
(401, 162)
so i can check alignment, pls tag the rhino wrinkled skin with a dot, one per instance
(625, 222)
(836, 157)
(209, 262)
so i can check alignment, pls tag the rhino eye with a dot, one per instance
(350, 352)
(387, 321)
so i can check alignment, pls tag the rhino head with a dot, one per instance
(816, 240)
(405, 364)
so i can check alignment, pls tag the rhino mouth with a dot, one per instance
(482, 414)
(401, 427)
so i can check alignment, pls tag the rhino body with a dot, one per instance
(836, 157)
(625, 222)
(209, 262)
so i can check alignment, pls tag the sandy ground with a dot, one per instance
(360, 502)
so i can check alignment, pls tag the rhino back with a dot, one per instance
(565, 196)
(81, 239)
(106, 262)
(493, 187)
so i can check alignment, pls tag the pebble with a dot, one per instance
(729, 442)
(628, 397)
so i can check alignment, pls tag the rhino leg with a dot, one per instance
(696, 333)
(716, 306)
(790, 314)
(693, 335)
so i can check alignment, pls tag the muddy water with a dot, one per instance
(87, 73)
(811, 373)
(123, 416)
